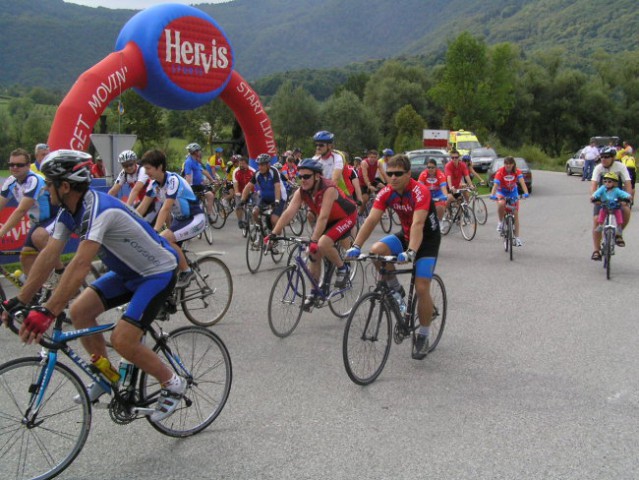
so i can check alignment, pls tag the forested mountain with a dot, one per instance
(49, 42)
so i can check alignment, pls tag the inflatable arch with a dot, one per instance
(175, 56)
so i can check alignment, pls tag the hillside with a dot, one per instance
(49, 43)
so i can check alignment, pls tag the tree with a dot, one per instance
(355, 83)
(354, 125)
(410, 126)
(7, 136)
(294, 115)
(35, 129)
(140, 118)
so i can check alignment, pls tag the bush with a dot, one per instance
(536, 157)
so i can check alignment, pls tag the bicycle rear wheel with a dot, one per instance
(44, 444)
(367, 339)
(446, 222)
(609, 239)
(221, 214)
(386, 222)
(440, 308)
(199, 356)
(480, 210)
(467, 222)
(286, 301)
(208, 228)
(254, 248)
(297, 224)
(208, 297)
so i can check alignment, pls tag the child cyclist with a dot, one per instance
(612, 195)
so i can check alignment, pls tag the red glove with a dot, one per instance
(38, 320)
(268, 239)
(312, 247)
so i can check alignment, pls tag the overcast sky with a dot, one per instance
(137, 4)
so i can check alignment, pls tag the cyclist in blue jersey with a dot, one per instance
(29, 191)
(180, 207)
(195, 173)
(272, 189)
(142, 273)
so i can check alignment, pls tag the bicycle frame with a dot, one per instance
(323, 289)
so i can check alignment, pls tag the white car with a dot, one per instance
(575, 164)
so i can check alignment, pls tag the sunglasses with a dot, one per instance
(454, 158)
(320, 145)
(17, 165)
(305, 177)
(607, 156)
(431, 168)
(395, 174)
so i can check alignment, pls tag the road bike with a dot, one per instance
(369, 328)
(508, 225)
(479, 206)
(461, 213)
(288, 299)
(389, 217)
(46, 414)
(209, 217)
(255, 247)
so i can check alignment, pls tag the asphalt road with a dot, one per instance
(535, 376)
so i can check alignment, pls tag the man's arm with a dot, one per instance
(134, 193)
(369, 225)
(164, 214)
(115, 189)
(41, 269)
(288, 214)
(417, 229)
(21, 210)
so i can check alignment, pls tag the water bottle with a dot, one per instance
(20, 276)
(103, 365)
(400, 301)
(125, 369)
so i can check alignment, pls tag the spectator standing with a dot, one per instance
(590, 154)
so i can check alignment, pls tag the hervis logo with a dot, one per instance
(195, 55)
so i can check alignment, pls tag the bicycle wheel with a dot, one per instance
(3, 296)
(199, 356)
(254, 248)
(208, 297)
(440, 308)
(297, 224)
(342, 303)
(43, 444)
(386, 222)
(446, 222)
(208, 229)
(278, 254)
(286, 301)
(480, 210)
(609, 239)
(510, 236)
(218, 215)
(467, 222)
(367, 339)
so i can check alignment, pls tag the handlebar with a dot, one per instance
(373, 256)
(19, 316)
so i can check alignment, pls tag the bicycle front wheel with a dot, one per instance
(609, 241)
(386, 222)
(208, 229)
(199, 356)
(510, 236)
(467, 222)
(254, 248)
(343, 300)
(221, 214)
(286, 301)
(40, 444)
(297, 224)
(208, 297)
(367, 339)
(480, 210)
(440, 309)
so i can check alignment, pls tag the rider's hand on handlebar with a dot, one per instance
(525, 195)
(493, 197)
(37, 322)
(407, 256)
(354, 252)
(9, 307)
(313, 247)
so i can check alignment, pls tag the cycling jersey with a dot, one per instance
(290, 170)
(507, 181)
(128, 244)
(371, 171)
(415, 197)
(434, 183)
(456, 173)
(175, 187)
(616, 167)
(611, 196)
(32, 187)
(349, 174)
(243, 177)
(267, 183)
(194, 167)
(131, 179)
(216, 164)
(343, 206)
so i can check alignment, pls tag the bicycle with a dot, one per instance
(368, 330)
(255, 248)
(286, 302)
(608, 238)
(508, 225)
(45, 410)
(460, 212)
(386, 221)
(209, 218)
(479, 206)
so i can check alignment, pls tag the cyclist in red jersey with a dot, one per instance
(457, 176)
(435, 180)
(336, 214)
(241, 177)
(370, 182)
(418, 241)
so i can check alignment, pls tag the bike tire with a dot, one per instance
(286, 301)
(208, 297)
(45, 448)
(3, 296)
(480, 210)
(446, 222)
(254, 248)
(297, 224)
(208, 229)
(385, 222)
(367, 339)
(467, 222)
(281, 249)
(510, 236)
(609, 239)
(440, 310)
(342, 303)
(199, 356)
(222, 214)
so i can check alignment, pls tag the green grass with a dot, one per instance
(12, 267)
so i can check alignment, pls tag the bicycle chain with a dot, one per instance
(119, 413)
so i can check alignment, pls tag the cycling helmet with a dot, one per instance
(608, 152)
(236, 158)
(466, 158)
(218, 149)
(323, 136)
(127, 156)
(71, 166)
(278, 165)
(388, 152)
(263, 158)
(611, 176)
(357, 159)
(193, 147)
(311, 164)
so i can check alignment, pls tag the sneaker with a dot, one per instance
(184, 278)
(421, 347)
(500, 228)
(168, 401)
(341, 278)
(94, 390)
(518, 242)
(275, 248)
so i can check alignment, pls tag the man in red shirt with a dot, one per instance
(241, 177)
(97, 169)
(457, 176)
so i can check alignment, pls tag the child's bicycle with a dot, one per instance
(45, 412)
(608, 237)
(288, 298)
(369, 328)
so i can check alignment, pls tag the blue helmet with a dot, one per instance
(388, 152)
(466, 158)
(323, 136)
(219, 149)
(311, 164)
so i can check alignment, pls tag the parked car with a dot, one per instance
(481, 158)
(521, 165)
(419, 159)
(575, 164)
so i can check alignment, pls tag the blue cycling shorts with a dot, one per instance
(424, 264)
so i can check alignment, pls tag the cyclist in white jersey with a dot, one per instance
(137, 180)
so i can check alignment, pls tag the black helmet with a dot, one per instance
(608, 152)
(263, 158)
(311, 164)
(71, 166)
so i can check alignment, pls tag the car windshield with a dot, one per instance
(468, 145)
(483, 152)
